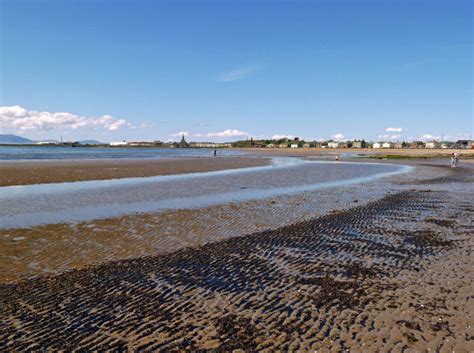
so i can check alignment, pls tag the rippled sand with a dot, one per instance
(356, 269)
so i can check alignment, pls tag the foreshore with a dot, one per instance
(385, 265)
(25, 172)
(58, 171)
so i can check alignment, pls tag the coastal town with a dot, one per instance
(294, 142)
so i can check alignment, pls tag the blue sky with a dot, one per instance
(225, 70)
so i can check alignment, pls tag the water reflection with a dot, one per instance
(80, 201)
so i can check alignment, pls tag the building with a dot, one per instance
(398, 145)
(333, 144)
(183, 143)
(282, 145)
(432, 144)
(417, 144)
(377, 145)
(306, 145)
(294, 145)
(141, 144)
(271, 145)
(466, 144)
(387, 145)
(358, 144)
(317, 144)
(210, 145)
(118, 143)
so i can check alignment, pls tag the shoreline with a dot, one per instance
(26, 172)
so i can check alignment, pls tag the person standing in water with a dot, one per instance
(215, 153)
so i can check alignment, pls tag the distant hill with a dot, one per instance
(14, 140)
(90, 142)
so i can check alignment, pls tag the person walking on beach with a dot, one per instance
(453, 160)
(456, 159)
(215, 153)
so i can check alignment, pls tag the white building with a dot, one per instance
(432, 144)
(387, 145)
(118, 143)
(377, 145)
(294, 145)
(333, 144)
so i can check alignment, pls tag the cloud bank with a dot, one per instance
(225, 133)
(21, 119)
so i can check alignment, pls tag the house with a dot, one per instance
(377, 145)
(358, 144)
(209, 145)
(294, 145)
(417, 144)
(398, 145)
(118, 143)
(271, 145)
(282, 145)
(333, 144)
(306, 145)
(317, 145)
(387, 145)
(469, 144)
(141, 144)
(432, 144)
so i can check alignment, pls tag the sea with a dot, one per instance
(65, 152)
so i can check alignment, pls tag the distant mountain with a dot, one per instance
(90, 142)
(14, 140)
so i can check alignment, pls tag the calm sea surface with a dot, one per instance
(53, 152)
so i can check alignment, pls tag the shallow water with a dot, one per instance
(64, 153)
(81, 201)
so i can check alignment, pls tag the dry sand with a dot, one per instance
(392, 272)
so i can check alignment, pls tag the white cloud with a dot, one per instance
(429, 137)
(279, 137)
(389, 137)
(21, 119)
(225, 133)
(338, 137)
(238, 74)
(394, 129)
(179, 134)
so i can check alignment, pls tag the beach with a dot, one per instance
(384, 264)
(56, 171)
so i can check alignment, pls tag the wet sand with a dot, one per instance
(386, 267)
(38, 172)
